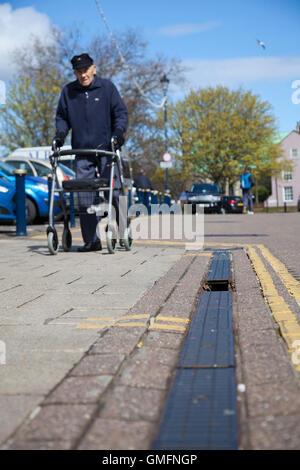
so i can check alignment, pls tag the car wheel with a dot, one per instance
(31, 211)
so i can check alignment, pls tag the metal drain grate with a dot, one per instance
(209, 341)
(201, 409)
(220, 269)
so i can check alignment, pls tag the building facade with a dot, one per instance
(286, 186)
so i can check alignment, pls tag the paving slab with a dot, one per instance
(107, 332)
(44, 299)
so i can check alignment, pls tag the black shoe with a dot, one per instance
(92, 246)
(122, 242)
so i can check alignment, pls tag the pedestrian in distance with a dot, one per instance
(92, 108)
(246, 183)
(142, 182)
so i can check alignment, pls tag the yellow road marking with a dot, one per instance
(172, 319)
(87, 326)
(292, 285)
(132, 323)
(287, 321)
(164, 326)
(105, 322)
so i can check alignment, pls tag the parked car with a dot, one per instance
(36, 190)
(40, 168)
(298, 204)
(207, 195)
(7, 205)
(232, 204)
(69, 161)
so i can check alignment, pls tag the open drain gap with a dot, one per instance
(217, 286)
(219, 274)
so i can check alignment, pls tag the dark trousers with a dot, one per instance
(247, 199)
(86, 168)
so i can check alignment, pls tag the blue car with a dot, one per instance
(7, 193)
(36, 190)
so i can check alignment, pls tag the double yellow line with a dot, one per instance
(152, 323)
(285, 318)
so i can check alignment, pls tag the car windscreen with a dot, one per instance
(42, 170)
(7, 169)
(20, 165)
(205, 188)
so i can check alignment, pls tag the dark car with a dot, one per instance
(232, 204)
(298, 204)
(206, 195)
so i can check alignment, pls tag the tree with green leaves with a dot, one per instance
(218, 131)
(28, 118)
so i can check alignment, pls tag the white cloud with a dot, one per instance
(239, 71)
(16, 28)
(188, 28)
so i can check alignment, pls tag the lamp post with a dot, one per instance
(165, 84)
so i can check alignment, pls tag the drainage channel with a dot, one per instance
(201, 413)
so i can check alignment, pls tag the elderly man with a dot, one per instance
(92, 108)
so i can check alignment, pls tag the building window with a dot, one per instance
(287, 175)
(288, 193)
(294, 153)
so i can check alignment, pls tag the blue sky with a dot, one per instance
(216, 39)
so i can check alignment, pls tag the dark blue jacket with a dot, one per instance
(93, 113)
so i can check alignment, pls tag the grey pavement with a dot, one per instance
(92, 340)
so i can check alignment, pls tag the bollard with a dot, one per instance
(167, 199)
(284, 205)
(72, 211)
(21, 230)
(147, 202)
(154, 197)
(49, 196)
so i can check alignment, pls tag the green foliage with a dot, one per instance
(262, 193)
(217, 132)
(176, 181)
(29, 116)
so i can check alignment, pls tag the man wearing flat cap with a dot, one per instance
(92, 108)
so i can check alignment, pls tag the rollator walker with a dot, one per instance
(87, 195)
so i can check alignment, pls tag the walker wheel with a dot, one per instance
(66, 240)
(53, 243)
(127, 239)
(111, 239)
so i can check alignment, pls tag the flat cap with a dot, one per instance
(81, 61)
